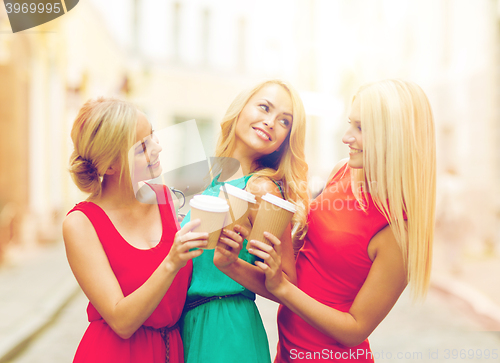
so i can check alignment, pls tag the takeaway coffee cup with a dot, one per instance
(273, 216)
(239, 202)
(212, 211)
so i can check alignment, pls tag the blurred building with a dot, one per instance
(45, 76)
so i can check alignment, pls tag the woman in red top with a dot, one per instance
(359, 254)
(128, 257)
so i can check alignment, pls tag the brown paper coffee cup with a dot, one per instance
(239, 202)
(273, 216)
(212, 214)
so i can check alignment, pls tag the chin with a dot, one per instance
(157, 174)
(154, 172)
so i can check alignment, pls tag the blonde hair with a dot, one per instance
(102, 134)
(399, 169)
(287, 165)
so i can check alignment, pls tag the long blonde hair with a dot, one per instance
(287, 165)
(399, 169)
(102, 134)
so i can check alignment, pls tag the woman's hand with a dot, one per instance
(271, 255)
(229, 246)
(185, 240)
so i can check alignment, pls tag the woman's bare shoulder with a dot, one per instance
(261, 185)
(75, 225)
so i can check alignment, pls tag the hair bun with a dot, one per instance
(85, 174)
(91, 169)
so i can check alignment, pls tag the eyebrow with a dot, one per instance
(353, 120)
(271, 104)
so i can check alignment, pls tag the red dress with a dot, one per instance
(331, 267)
(132, 267)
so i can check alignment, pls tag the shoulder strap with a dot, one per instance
(165, 202)
(247, 177)
(278, 183)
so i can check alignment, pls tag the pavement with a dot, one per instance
(34, 289)
(473, 281)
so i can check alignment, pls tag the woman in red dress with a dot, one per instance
(359, 254)
(128, 257)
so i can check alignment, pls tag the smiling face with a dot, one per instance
(353, 136)
(264, 122)
(144, 155)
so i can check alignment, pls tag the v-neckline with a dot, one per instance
(162, 218)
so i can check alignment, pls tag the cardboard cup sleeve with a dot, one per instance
(273, 216)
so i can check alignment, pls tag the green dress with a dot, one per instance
(222, 328)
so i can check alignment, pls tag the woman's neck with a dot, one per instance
(228, 175)
(115, 194)
(247, 161)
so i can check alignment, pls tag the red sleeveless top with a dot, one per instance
(132, 267)
(332, 265)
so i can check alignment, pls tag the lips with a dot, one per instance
(355, 151)
(262, 134)
(155, 164)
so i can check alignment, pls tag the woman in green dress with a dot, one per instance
(264, 130)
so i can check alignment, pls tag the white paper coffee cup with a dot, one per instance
(213, 212)
(239, 202)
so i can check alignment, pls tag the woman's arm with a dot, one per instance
(90, 265)
(382, 288)
(248, 275)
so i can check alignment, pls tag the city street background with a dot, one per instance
(179, 60)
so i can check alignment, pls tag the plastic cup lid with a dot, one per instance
(271, 198)
(209, 203)
(239, 193)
